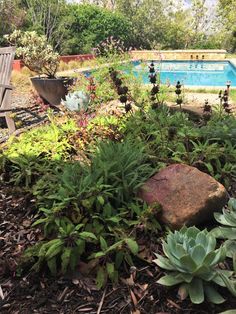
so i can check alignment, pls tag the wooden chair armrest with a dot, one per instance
(7, 86)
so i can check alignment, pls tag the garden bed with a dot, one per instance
(75, 235)
(77, 292)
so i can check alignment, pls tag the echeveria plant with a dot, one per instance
(192, 262)
(227, 230)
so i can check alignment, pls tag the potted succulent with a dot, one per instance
(40, 58)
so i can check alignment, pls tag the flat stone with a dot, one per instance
(187, 196)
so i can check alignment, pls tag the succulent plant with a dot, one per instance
(76, 101)
(192, 260)
(228, 219)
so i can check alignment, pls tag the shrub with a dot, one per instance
(36, 53)
(94, 24)
(110, 46)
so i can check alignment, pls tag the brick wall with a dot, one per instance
(18, 64)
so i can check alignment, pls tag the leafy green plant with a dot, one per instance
(68, 247)
(98, 195)
(27, 157)
(35, 51)
(228, 229)
(192, 261)
(124, 166)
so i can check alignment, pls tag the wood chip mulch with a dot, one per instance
(29, 292)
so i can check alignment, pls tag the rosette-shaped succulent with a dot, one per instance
(228, 231)
(76, 101)
(192, 260)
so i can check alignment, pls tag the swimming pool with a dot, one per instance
(190, 73)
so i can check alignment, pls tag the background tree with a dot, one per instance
(227, 21)
(92, 24)
(12, 16)
(50, 18)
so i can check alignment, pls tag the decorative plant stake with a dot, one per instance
(178, 92)
(156, 88)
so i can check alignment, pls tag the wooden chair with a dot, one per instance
(6, 60)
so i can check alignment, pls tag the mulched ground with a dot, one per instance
(29, 292)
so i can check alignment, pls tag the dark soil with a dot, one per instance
(30, 292)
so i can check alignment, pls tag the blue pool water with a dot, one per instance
(190, 73)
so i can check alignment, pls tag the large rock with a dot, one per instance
(186, 195)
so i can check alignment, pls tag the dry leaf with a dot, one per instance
(133, 297)
(128, 281)
(1, 293)
(183, 293)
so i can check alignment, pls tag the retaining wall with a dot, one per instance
(149, 55)
(178, 54)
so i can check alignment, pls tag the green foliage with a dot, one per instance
(77, 28)
(12, 16)
(50, 18)
(36, 53)
(173, 137)
(110, 46)
(228, 229)
(123, 166)
(67, 247)
(87, 198)
(192, 261)
(36, 152)
(226, 13)
(87, 209)
(94, 24)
